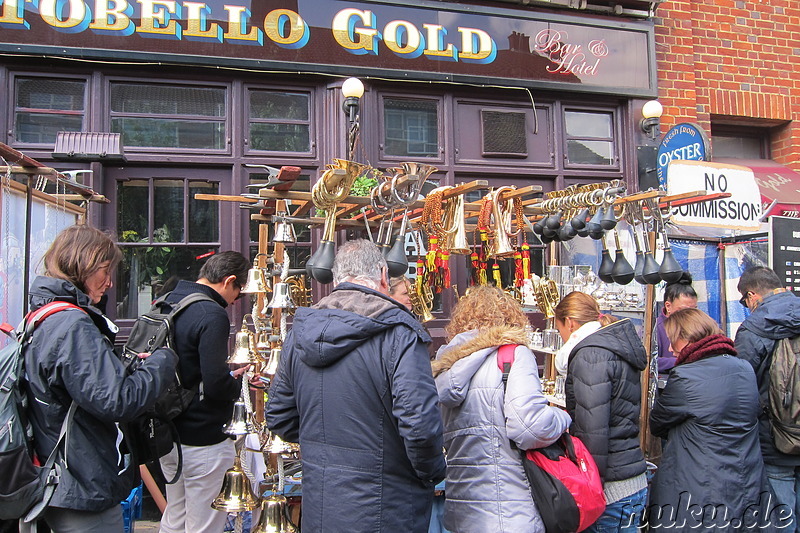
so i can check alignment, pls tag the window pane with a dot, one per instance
(203, 215)
(280, 137)
(412, 127)
(167, 100)
(36, 128)
(147, 271)
(589, 152)
(737, 147)
(57, 95)
(168, 208)
(170, 133)
(274, 105)
(585, 125)
(132, 210)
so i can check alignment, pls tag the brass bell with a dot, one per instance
(284, 231)
(273, 516)
(275, 444)
(243, 353)
(272, 363)
(240, 423)
(281, 297)
(256, 281)
(237, 494)
(262, 347)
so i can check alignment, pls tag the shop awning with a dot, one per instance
(780, 186)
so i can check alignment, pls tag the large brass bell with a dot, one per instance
(240, 423)
(256, 281)
(237, 494)
(281, 297)
(273, 516)
(244, 347)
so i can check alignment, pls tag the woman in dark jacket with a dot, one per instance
(603, 398)
(71, 359)
(709, 414)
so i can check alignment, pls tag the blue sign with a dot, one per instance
(686, 142)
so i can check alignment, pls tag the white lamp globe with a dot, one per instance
(352, 88)
(652, 109)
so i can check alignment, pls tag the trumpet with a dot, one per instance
(502, 211)
(421, 298)
(299, 291)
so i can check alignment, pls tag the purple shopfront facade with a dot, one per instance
(206, 93)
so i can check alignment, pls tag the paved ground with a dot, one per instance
(145, 526)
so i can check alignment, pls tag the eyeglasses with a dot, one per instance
(743, 299)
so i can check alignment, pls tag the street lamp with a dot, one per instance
(651, 111)
(352, 90)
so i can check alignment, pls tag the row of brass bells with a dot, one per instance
(237, 494)
(273, 516)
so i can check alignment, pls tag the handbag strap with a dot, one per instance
(505, 358)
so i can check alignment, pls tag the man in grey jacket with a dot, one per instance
(354, 388)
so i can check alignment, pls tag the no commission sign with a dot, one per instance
(741, 211)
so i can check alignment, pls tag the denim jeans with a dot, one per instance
(621, 516)
(785, 483)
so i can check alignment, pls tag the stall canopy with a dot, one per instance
(780, 186)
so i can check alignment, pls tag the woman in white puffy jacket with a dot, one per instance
(486, 487)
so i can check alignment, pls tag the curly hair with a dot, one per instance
(483, 306)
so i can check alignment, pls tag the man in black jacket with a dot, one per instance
(775, 315)
(354, 387)
(201, 341)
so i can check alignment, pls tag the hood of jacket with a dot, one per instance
(777, 317)
(45, 289)
(620, 338)
(469, 342)
(344, 320)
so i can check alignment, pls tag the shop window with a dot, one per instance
(504, 134)
(410, 127)
(280, 121)
(45, 106)
(169, 116)
(740, 143)
(590, 138)
(163, 231)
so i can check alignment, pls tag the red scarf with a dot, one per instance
(706, 347)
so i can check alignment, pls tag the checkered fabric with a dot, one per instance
(702, 261)
(738, 257)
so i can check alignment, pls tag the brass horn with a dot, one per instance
(458, 240)
(421, 301)
(502, 211)
(273, 515)
(237, 494)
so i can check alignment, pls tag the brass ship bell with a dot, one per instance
(241, 421)
(274, 515)
(256, 281)
(244, 346)
(237, 494)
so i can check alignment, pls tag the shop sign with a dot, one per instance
(784, 250)
(331, 35)
(685, 142)
(742, 210)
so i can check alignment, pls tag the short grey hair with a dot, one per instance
(359, 261)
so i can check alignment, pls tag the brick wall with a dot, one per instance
(732, 59)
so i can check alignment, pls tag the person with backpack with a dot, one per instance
(708, 413)
(202, 331)
(603, 396)
(485, 426)
(70, 359)
(774, 315)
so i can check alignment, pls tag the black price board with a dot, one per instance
(784, 250)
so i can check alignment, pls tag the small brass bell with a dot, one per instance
(281, 297)
(256, 281)
(273, 516)
(240, 423)
(275, 444)
(243, 353)
(284, 231)
(272, 364)
(237, 494)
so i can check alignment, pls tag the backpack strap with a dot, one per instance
(183, 303)
(34, 318)
(505, 358)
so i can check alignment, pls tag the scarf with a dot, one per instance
(562, 355)
(705, 347)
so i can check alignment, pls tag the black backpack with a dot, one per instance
(152, 434)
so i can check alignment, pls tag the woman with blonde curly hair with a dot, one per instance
(486, 485)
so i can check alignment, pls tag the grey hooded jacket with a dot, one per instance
(354, 388)
(486, 486)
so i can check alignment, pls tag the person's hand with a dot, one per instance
(237, 373)
(144, 355)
